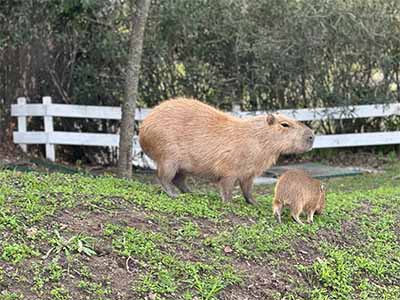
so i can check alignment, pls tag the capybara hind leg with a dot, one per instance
(296, 217)
(277, 210)
(246, 184)
(166, 173)
(227, 184)
(310, 217)
(180, 182)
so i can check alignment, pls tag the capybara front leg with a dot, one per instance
(166, 173)
(227, 184)
(180, 182)
(246, 184)
(277, 210)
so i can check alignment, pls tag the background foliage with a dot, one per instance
(263, 54)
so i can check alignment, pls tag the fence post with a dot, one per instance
(22, 127)
(48, 128)
(236, 109)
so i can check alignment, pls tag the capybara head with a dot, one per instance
(293, 136)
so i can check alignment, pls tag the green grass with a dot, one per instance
(79, 237)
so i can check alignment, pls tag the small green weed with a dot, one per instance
(60, 293)
(5, 295)
(98, 290)
(16, 253)
(79, 243)
(189, 230)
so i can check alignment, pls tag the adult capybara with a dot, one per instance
(300, 192)
(187, 137)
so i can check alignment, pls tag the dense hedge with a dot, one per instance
(263, 54)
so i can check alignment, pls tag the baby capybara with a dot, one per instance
(187, 137)
(300, 192)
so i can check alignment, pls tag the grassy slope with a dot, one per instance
(75, 237)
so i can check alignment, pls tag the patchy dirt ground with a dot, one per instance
(75, 236)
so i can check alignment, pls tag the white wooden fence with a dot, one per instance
(50, 138)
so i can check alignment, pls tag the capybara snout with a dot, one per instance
(187, 137)
(306, 141)
(309, 137)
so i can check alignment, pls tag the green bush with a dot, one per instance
(262, 54)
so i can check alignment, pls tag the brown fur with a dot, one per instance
(187, 137)
(300, 192)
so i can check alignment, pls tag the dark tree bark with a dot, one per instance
(131, 90)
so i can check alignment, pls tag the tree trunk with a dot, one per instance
(131, 90)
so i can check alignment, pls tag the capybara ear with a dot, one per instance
(270, 119)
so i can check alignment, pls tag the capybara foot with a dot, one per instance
(278, 217)
(180, 182)
(246, 185)
(251, 201)
(297, 220)
(182, 187)
(168, 189)
(170, 193)
(310, 218)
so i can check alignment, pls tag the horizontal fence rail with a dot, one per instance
(357, 139)
(50, 138)
(114, 113)
(74, 111)
(335, 113)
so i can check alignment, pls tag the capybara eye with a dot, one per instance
(284, 124)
